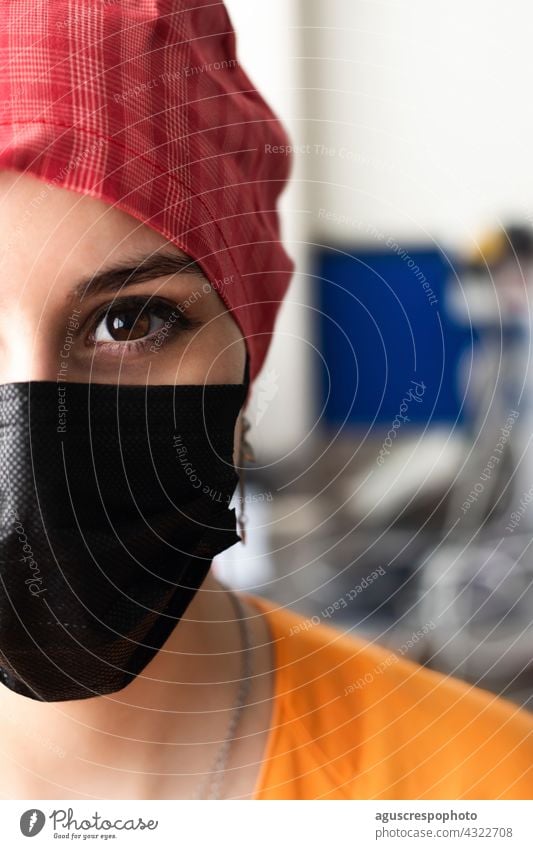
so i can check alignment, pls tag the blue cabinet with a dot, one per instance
(382, 324)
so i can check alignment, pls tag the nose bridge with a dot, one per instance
(26, 339)
(29, 349)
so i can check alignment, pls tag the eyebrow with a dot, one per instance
(136, 270)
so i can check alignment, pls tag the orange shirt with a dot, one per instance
(353, 720)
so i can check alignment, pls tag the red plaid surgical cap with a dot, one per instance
(143, 104)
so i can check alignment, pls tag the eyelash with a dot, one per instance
(154, 306)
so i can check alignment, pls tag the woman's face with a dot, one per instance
(62, 318)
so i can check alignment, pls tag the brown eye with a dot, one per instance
(126, 325)
(135, 319)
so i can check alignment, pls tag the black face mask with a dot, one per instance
(114, 500)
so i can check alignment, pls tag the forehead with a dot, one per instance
(44, 226)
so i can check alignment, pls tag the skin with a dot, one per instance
(154, 738)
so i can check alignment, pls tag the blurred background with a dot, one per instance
(392, 486)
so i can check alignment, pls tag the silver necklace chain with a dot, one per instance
(211, 787)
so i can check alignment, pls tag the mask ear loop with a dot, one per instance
(246, 455)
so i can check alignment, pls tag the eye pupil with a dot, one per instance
(126, 325)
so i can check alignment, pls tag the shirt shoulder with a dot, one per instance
(363, 721)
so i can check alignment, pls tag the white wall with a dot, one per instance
(427, 108)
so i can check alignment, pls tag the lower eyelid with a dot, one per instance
(134, 345)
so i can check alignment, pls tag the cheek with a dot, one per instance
(222, 341)
(214, 353)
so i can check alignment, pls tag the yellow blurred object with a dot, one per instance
(490, 248)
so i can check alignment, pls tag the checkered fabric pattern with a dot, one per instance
(143, 104)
